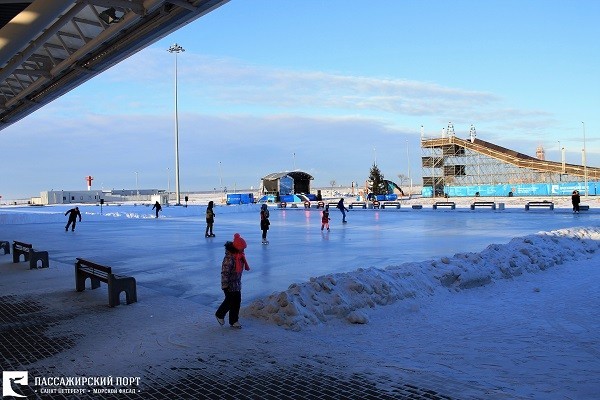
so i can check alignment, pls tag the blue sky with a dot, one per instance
(327, 87)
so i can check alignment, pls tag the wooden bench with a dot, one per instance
(450, 204)
(357, 204)
(390, 204)
(582, 207)
(29, 254)
(99, 273)
(483, 204)
(417, 206)
(5, 245)
(545, 203)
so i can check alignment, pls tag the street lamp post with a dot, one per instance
(137, 191)
(585, 177)
(169, 182)
(408, 167)
(221, 181)
(176, 49)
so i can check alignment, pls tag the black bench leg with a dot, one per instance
(38, 256)
(131, 294)
(118, 285)
(95, 282)
(6, 246)
(79, 280)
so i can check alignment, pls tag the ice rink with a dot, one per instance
(171, 255)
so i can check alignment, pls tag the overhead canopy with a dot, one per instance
(49, 47)
(296, 175)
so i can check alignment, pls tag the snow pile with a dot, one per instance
(344, 295)
(90, 212)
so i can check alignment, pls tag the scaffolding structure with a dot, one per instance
(449, 161)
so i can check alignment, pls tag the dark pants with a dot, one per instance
(264, 227)
(343, 214)
(231, 304)
(71, 221)
(576, 207)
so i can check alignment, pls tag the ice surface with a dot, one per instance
(481, 299)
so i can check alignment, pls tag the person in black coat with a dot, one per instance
(157, 207)
(264, 222)
(575, 199)
(210, 220)
(73, 214)
(343, 209)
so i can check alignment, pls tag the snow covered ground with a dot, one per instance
(487, 304)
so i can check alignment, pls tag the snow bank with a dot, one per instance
(56, 213)
(344, 295)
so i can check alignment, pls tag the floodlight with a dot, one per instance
(109, 16)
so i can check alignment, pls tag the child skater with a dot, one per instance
(234, 263)
(325, 218)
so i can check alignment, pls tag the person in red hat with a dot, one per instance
(234, 263)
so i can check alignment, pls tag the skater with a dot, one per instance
(264, 223)
(157, 207)
(325, 218)
(343, 209)
(210, 219)
(575, 199)
(234, 263)
(73, 214)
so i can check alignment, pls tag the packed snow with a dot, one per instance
(347, 295)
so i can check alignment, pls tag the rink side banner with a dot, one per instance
(530, 189)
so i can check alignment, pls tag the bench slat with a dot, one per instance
(86, 263)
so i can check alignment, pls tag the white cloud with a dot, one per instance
(224, 83)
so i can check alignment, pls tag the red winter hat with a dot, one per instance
(238, 242)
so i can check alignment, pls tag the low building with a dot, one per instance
(94, 196)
